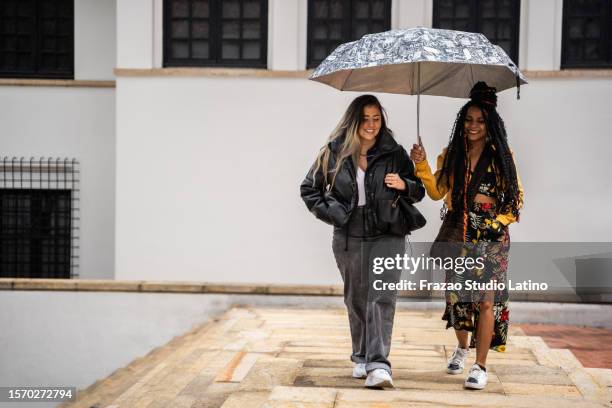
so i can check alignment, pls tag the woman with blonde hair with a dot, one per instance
(477, 177)
(363, 184)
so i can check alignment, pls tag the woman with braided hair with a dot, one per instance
(483, 195)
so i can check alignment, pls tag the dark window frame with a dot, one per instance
(39, 249)
(605, 39)
(215, 41)
(347, 22)
(38, 72)
(475, 22)
(40, 225)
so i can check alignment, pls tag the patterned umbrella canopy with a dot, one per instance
(419, 61)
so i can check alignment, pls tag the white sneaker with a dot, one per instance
(379, 378)
(457, 361)
(359, 371)
(477, 379)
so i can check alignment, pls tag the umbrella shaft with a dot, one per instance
(418, 118)
(418, 102)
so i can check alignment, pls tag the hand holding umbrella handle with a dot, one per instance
(417, 153)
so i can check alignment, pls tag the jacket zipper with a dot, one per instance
(365, 177)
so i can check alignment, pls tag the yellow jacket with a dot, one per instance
(430, 181)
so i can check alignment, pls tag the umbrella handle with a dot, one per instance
(419, 141)
(419, 104)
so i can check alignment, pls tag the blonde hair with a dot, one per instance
(351, 147)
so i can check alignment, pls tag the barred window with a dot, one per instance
(498, 20)
(37, 38)
(333, 22)
(587, 36)
(39, 218)
(225, 33)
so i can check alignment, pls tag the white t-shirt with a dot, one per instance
(361, 187)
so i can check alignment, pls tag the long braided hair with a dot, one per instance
(456, 160)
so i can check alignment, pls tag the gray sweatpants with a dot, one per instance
(370, 311)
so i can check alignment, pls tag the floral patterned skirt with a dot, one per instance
(462, 307)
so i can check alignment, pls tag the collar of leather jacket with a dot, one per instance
(385, 143)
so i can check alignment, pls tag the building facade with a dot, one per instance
(190, 165)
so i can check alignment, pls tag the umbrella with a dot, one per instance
(419, 61)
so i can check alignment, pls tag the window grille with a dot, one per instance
(37, 38)
(40, 219)
(587, 34)
(333, 22)
(229, 33)
(498, 20)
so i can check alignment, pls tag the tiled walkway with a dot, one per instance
(265, 357)
(592, 346)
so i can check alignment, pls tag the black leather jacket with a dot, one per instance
(335, 205)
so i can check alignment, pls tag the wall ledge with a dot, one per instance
(166, 287)
(570, 73)
(70, 83)
(145, 286)
(209, 72)
(246, 72)
(265, 73)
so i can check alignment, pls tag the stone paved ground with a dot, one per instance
(266, 357)
(592, 346)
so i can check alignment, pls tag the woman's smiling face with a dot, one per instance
(474, 126)
(370, 123)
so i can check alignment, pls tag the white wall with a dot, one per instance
(283, 35)
(76, 122)
(75, 339)
(94, 39)
(541, 34)
(135, 33)
(71, 122)
(410, 14)
(208, 171)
